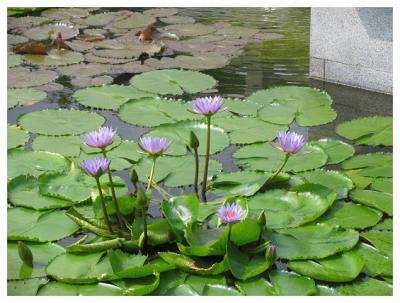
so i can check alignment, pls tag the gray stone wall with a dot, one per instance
(353, 46)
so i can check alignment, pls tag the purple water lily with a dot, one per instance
(154, 146)
(231, 213)
(100, 138)
(207, 106)
(289, 142)
(95, 167)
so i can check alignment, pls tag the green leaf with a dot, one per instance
(382, 240)
(376, 263)
(182, 290)
(199, 282)
(169, 280)
(291, 284)
(290, 209)
(336, 150)
(68, 146)
(180, 133)
(63, 289)
(24, 162)
(60, 122)
(55, 58)
(139, 287)
(376, 199)
(219, 290)
(262, 156)
(338, 268)
(350, 215)
(366, 287)
(13, 60)
(256, 287)
(32, 225)
(241, 107)
(383, 184)
(371, 165)
(245, 130)
(375, 130)
(108, 96)
(16, 137)
(386, 224)
(24, 96)
(181, 212)
(283, 104)
(313, 241)
(173, 82)
(42, 254)
(26, 287)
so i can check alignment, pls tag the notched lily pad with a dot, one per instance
(92, 81)
(24, 77)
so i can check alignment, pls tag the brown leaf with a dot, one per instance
(33, 48)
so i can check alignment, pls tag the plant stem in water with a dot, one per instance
(204, 185)
(153, 166)
(196, 172)
(103, 206)
(144, 230)
(278, 170)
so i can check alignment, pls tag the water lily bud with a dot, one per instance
(133, 175)
(193, 141)
(270, 254)
(25, 253)
(141, 198)
(262, 220)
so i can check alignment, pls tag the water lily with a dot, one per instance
(289, 142)
(231, 213)
(100, 138)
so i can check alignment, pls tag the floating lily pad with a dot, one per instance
(339, 268)
(92, 81)
(89, 57)
(237, 32)
(24, 162)
(79, 45)
(312, 241)
(161, 12)
(202, 61)
(50, 87)
(15, 39)
(13, 60)
(383, 184)
(153, 64)
(386, 224)
(178, 20)
(24, 96)
(32, 225)
(175, 171)
(336, 150)
(64, 289)
(376, 263)
(350, 215)
(68, 146)
(27, 21)
(381, 240)
(262, 156)
(66, 12)
(49, 31)
(283, 104)
(134, 21)
(366, 287)
(23, 77)
(100, 19)
(84, 70)
(290, 209)
(380, 200)
(244, 130)
(376, 130)
(55, 58)
(42, 254)
(291, 284)
(16, 137)
(26, 287)
(189, 30)
(371, 165)
(180, 133)
(241, 107)
(175, 82)
(60, 122)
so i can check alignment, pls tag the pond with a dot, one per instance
(349, 201)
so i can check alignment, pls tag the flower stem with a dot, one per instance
(113, 196)
(153, 166)
(103, 206)
(276, 173)
(144, 230)
(204, 185)
(229, 231)
(196, 172)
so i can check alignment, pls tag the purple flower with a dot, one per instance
(289, 142)
(100, 138)
(95, 167)
(230, 213)
(154, 146)
(207, 106)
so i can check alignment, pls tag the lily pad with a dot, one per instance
(383, 184)
(371, 165)
(161, 12)
(178, 20)
(90, 57)
(339, 268)
(27, 21)
(134, 21)
(49, 31)
(290, 209)
(202, 61)
(379, 200)
(312, 241)
(171, 81)
(67, 12)
(237, 31)
(79, 45)
(380, 239)
(26, 287)
(23, 77)
(15, 39)
(42, 254)
(189, 30)
(376, 263)
(68, 146)
(64, 289)
(24, 96)
(16, 137)
(13, 60)
(366, 287)
(376, 130)
(32, 225)
(337, 150)
(84, 70)
(24, 162)
(100, 19)
(180, 133)
(55, 58)
(60, 122)
(92, 81)
(140, 286)
(262, 156)
(284, 104)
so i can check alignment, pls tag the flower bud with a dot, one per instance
(141, 198)
(193, 140)
(25, 253)
(133, 176)
(262, 220)
(270, 254)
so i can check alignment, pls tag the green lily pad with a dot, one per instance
(13, 60)
(42, 254)
(383, 184)
(336, 150)
(140, 286)
(68, 146)
(199, 282)
(245, 130)
(220, 290)
(209, 60)
(375, 199)
(177, 20)
(23, 77)
(262, 156)
(283, 104)
(174, 82)
(16, 137)
(134, 21)
(100, 19)
(82, 82)
(371, 165)
(386, 224)
(24, 96)
(376, 130)
(31, 225)
(24, 162)
(55, 58)
(26, 287)
(376, 263)
(169, 280)
(161, 12)
(313, 241)
(380, 239)
(290, 209)
(108, 96)
(175, 171)
(180, 133)
(60, 122)
(64, 289)
(366, 287)
(350, 215)
(241, 107)
(338, 268)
